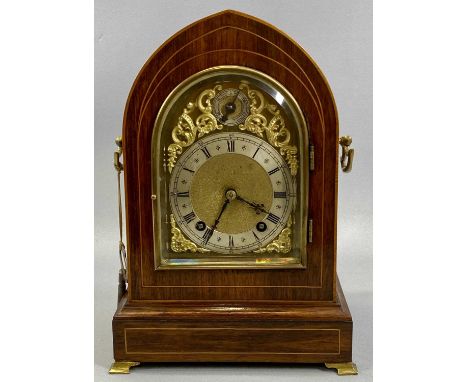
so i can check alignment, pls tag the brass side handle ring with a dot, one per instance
(347, 154)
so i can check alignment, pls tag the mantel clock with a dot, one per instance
(230, 156)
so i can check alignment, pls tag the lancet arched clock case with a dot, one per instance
(230, 162)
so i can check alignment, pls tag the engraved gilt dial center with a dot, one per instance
(228, 176)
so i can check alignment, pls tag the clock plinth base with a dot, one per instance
(122, 367)
(235, 332)
(346, 368)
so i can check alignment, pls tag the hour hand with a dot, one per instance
(209, 231)
(258, 207)
(226, 202)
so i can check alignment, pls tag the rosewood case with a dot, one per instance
(233, 315)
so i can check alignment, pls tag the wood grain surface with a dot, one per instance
(231, 38)
(160, 332)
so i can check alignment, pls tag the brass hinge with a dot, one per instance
(310, 230)
(311, 158)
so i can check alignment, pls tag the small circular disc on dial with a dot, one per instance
(231, 107)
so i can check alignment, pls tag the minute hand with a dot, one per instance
(257, 207)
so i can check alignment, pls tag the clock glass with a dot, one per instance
(229, 172)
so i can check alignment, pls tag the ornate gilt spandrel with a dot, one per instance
(179, 243)
(275, 129)
(186, 131)
(282, 244)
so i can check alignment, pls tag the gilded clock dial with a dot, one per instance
(231, 193)
(231, 107)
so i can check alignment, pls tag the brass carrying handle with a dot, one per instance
(347, 154)
(122, 252)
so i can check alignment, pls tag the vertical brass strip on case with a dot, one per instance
(310, 230)
(311, 158)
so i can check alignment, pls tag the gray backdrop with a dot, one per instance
(338, 35)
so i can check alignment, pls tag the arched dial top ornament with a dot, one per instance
(261, 118)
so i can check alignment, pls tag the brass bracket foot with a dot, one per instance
(345, 368)
(122, 367)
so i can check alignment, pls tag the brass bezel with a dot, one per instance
(157, 160)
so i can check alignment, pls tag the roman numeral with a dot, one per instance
(255, 153)
(206, 152)
(185, 194)
(207, 235)
(273, 171)
(273, 218)
(281, 194)
(231, 241)
(231, 147)
(189, 217)
(186, 169)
